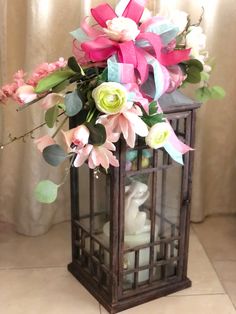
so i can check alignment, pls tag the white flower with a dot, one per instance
(179, 18)
(147, 14)
(158, 135)
(196, 40)
(121, 29)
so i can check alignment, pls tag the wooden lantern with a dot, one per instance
(122, 270)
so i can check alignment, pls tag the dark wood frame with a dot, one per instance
(114, 299)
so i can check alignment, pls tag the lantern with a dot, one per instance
(130, 226)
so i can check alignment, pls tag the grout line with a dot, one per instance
(196, 295)
(33, 268)
(213, 266)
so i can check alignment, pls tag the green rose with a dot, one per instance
(110, 98)
(158, 135)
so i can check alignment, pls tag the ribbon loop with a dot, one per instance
(103, 13)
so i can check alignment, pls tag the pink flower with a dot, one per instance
(44, 70)
(51, 100)
(176, 78)
(79, 136)
(3, 97)
(44, 142)
(97, 155)
(25, 94)
(19, 78)
(127, 122)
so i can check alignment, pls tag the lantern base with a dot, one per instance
(128, 302)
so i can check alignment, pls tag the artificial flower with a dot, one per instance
(110, 98)
(78, 136)
(51, 100)
(97, 155)
(158, 135)
(176, 78)
(147, 14)
(121, 29)
(196, 40)
(43, 142)
(44, 70)
(128, 122)
(25, 94)
(180, 19)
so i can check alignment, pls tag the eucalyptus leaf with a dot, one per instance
(205, 76)
(53, 80)
(195, 63)
(51, 116)
(73, 104)
(54, 155)
(203, 94)
(194, 75)
(73, 65)
(97, 134)
(217, 92)
(46, 192)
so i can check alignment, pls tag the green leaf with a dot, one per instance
(73, 104)
(152, 108)
(203, 94)
(73, 65)
(97, 134)
(60, 87)
(194, 75)
(217, 92)
(54, 155)
(154, 119)
(81, 117)
(53, 80)
(205, 76)
(51, 116)
(46, 192)
(104, 75)
(195, 63)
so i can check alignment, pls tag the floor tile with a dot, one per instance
(227, 274)
(51, 249)
(200, 271)
(206, 304)
(218, 236)
(47, 291)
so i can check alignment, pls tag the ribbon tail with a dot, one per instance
(175, 57)
(120, 72)
(174, 153)
(102, 13)
(158, 81)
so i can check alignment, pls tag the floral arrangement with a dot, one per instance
(124, 60)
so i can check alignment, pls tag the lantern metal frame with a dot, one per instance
(105, 280)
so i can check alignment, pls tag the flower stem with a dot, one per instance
(22, 137)
(67, 170)
(90, 115)
(60, 126)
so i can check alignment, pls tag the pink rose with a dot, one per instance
(176, 78)
(121, 29)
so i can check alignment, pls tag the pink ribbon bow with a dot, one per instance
(101, 47)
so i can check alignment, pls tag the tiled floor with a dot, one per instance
(218, 237)
(34, 279)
